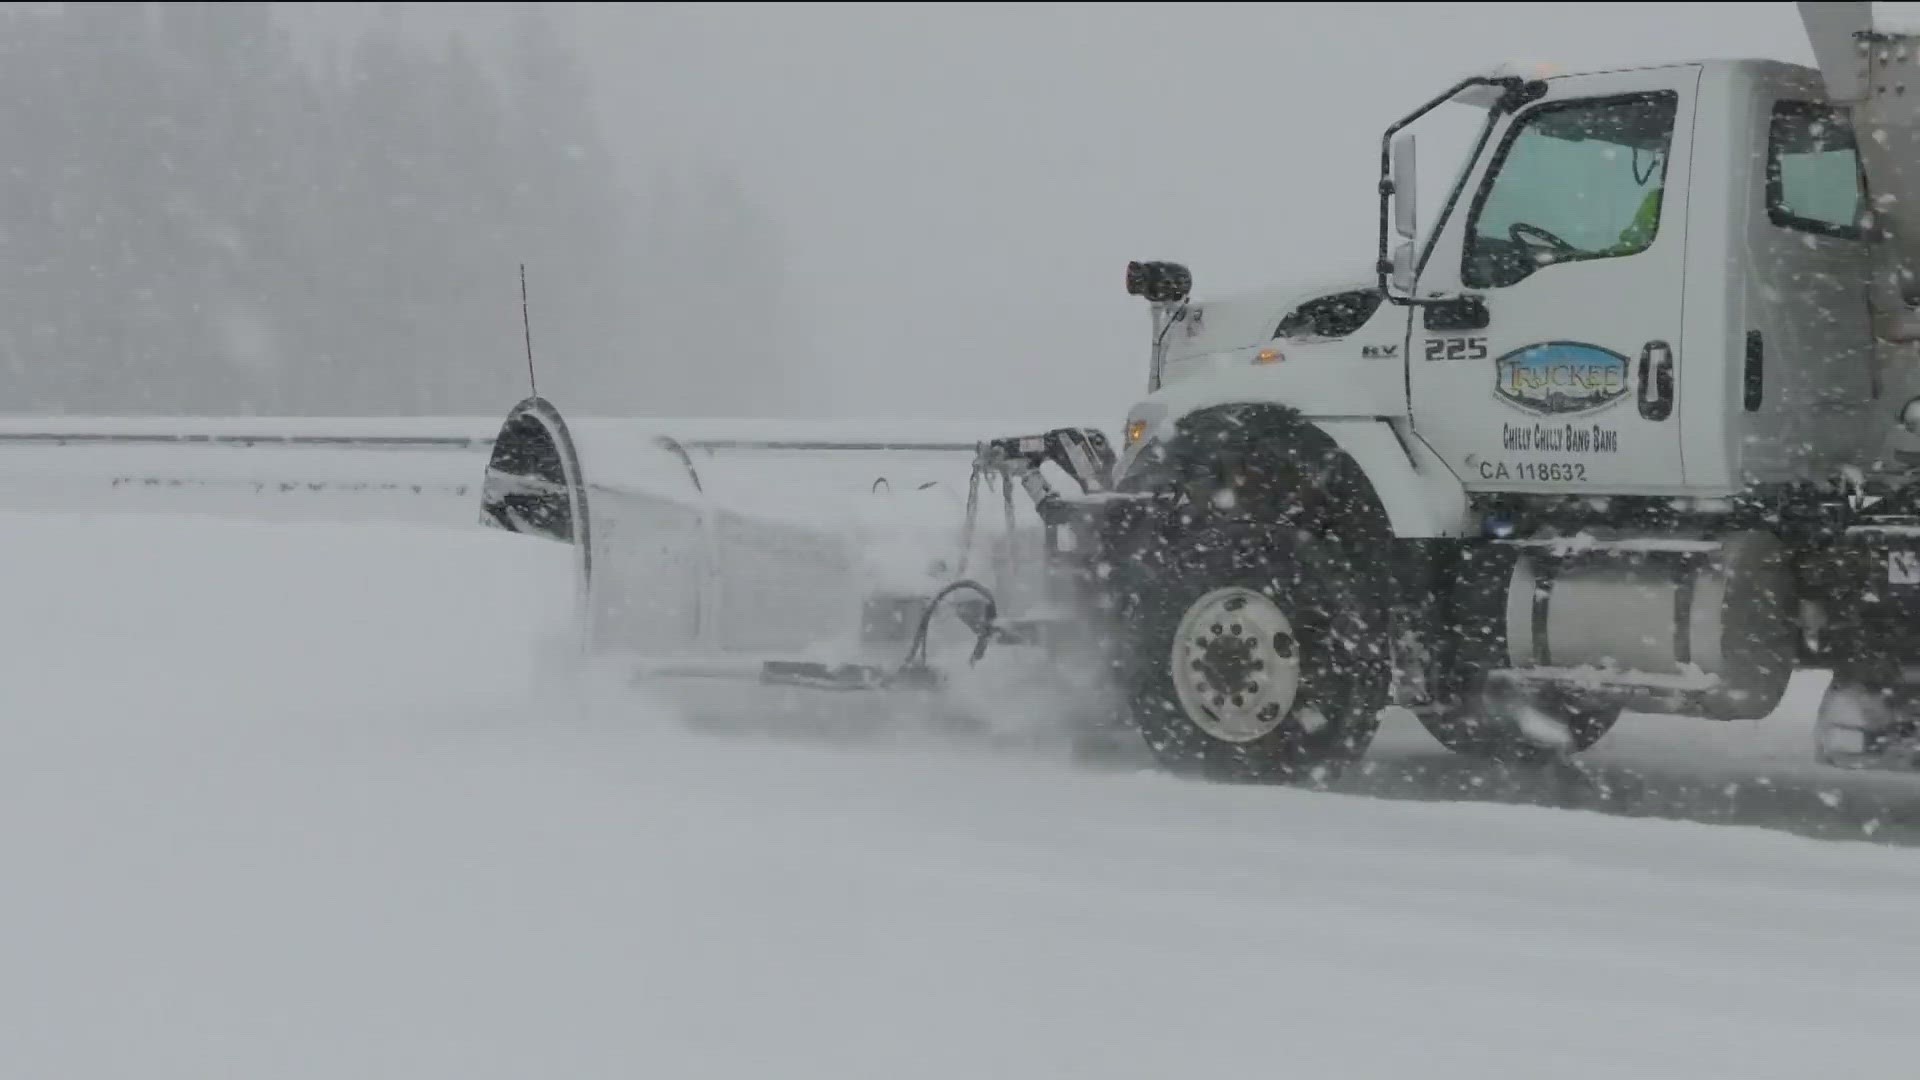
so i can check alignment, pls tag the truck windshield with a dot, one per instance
(1572, 181)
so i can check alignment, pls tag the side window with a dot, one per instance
(1572, 181)
(1333, 316)
(1814, 179)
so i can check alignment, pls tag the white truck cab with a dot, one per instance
(1645, 282)
(1634, 422)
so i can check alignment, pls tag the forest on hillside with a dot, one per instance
(197, 219)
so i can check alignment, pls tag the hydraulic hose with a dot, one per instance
(916, 660)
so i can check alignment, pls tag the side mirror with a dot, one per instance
(1406, 190)
(1403, 269)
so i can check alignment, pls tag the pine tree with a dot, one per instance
(197, 222)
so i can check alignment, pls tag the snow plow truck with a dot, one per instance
(1633, 424)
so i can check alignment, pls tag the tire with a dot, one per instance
(1488, 725)
(1254, 640)
(1869, 718)
(1307, 668)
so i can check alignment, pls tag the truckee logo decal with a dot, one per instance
(1559, 378)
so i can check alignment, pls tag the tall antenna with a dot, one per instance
(527, 325)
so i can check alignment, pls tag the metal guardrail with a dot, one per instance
(805, 444)
(61, 438)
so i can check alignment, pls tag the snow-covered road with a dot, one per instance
(318, 800)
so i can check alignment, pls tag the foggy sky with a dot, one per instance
(957, 187)
(961, 185)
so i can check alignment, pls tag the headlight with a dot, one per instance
(1140, 423)
(1910, 416)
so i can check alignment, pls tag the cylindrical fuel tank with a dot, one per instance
(1693, 625)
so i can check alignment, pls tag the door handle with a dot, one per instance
(1656, 381)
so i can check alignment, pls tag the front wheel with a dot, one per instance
(1266, 664)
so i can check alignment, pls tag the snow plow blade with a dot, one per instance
(831, 559)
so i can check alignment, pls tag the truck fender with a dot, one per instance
(1422, 498)
(1419, 497)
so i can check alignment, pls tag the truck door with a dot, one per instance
(1572, 232)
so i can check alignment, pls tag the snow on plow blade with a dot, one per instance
(805, 554)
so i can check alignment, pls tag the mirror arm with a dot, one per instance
(1518, 93)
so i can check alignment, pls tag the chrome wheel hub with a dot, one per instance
(1236, 665)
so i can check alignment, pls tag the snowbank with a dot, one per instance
(298, 801)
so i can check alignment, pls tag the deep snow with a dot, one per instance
(298, 799)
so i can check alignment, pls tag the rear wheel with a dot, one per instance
(1518, 724)
(1869, 718)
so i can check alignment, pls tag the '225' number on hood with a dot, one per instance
(1459, 348)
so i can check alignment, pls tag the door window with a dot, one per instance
(1572, 181)
(1814, 180)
